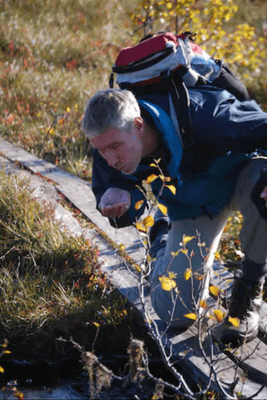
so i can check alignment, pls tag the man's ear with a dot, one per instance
(138, 123)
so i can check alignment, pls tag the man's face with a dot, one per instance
(121, 150)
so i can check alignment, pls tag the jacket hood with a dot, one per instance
(170, 136)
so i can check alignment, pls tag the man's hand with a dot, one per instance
(263, 195)
(115, 202)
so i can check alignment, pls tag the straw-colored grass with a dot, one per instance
(46, 274)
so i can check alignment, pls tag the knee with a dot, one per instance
(257, 189)
(169, 307)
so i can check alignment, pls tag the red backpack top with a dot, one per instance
(159, 53)
(172, 63)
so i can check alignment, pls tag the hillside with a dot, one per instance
(55, 54)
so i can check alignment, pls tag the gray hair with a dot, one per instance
(110, 108)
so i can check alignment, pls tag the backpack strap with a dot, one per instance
(174, 84)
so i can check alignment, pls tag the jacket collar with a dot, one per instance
(170, 137)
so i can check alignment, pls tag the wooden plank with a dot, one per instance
(185, 347)
(191, 357)
(252, 356)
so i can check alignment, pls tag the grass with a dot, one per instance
(49, 279)
(53, 56)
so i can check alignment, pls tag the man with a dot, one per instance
(221, 172)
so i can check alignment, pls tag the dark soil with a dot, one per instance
(48, 358)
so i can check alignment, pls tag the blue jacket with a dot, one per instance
(226, 132)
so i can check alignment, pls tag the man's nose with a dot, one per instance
(111, 158)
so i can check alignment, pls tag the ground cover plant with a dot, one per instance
(47, 275)
(54, 55)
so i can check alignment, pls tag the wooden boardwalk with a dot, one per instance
(243, 370)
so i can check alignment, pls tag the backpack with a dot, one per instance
(171, 63)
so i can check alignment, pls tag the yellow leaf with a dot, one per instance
(185, 352)
(217, 255)
(211, 316)
(214, 290)
(192, 253)
(198, 276)
(138, 269)
(6, 352)
(203, 304)
(138, 204)
(163, 209)
(167, 179)
(231, 350)
(172, 188)
(219, 315)
(96, 324)
(140, 227)
(172, 275)
(187, 274)
(175, 254)
(151, 178)
(2, 370)
(234, 321)
(187, 239)
(162, 177)
(191, 316)
(148, 221)
(148, 258)
(167, 284)
(153, 165)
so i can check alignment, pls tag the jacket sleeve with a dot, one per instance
(105, 177)
(227, 124)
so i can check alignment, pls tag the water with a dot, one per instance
(38, 382)
(64, 391)
(75, 390)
